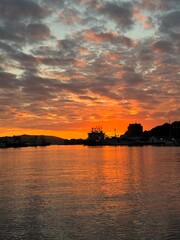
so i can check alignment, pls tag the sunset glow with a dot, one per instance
(67, 66)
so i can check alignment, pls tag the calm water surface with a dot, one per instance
(90, 193)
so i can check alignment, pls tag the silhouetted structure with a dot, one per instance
(95, 137)
(135, 130)
(164, 135)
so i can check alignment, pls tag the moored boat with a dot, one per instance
(95, 137)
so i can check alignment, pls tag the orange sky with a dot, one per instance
(81, 130)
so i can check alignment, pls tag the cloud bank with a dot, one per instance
(68, 65)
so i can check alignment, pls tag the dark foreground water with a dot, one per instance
(90, 193)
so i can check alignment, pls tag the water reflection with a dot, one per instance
(78, 192)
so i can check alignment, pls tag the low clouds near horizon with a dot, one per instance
(67, 64)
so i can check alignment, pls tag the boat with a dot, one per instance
(96, 137)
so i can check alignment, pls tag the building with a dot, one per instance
(135, 130)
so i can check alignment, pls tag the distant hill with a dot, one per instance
(36, 140)
(166, 130)
(31, 140)
(51, 139)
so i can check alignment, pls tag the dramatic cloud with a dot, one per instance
(11, 10)
(163, 46)
(37, 32)
(120, 12)
(170, 22)
(69, 65)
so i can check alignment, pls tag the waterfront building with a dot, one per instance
(135, 130)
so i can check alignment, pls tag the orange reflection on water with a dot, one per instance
(120, 171)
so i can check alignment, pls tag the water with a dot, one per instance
(90, 193)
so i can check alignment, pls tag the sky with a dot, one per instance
(69, 65)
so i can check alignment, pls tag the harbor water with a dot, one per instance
(90, 193)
